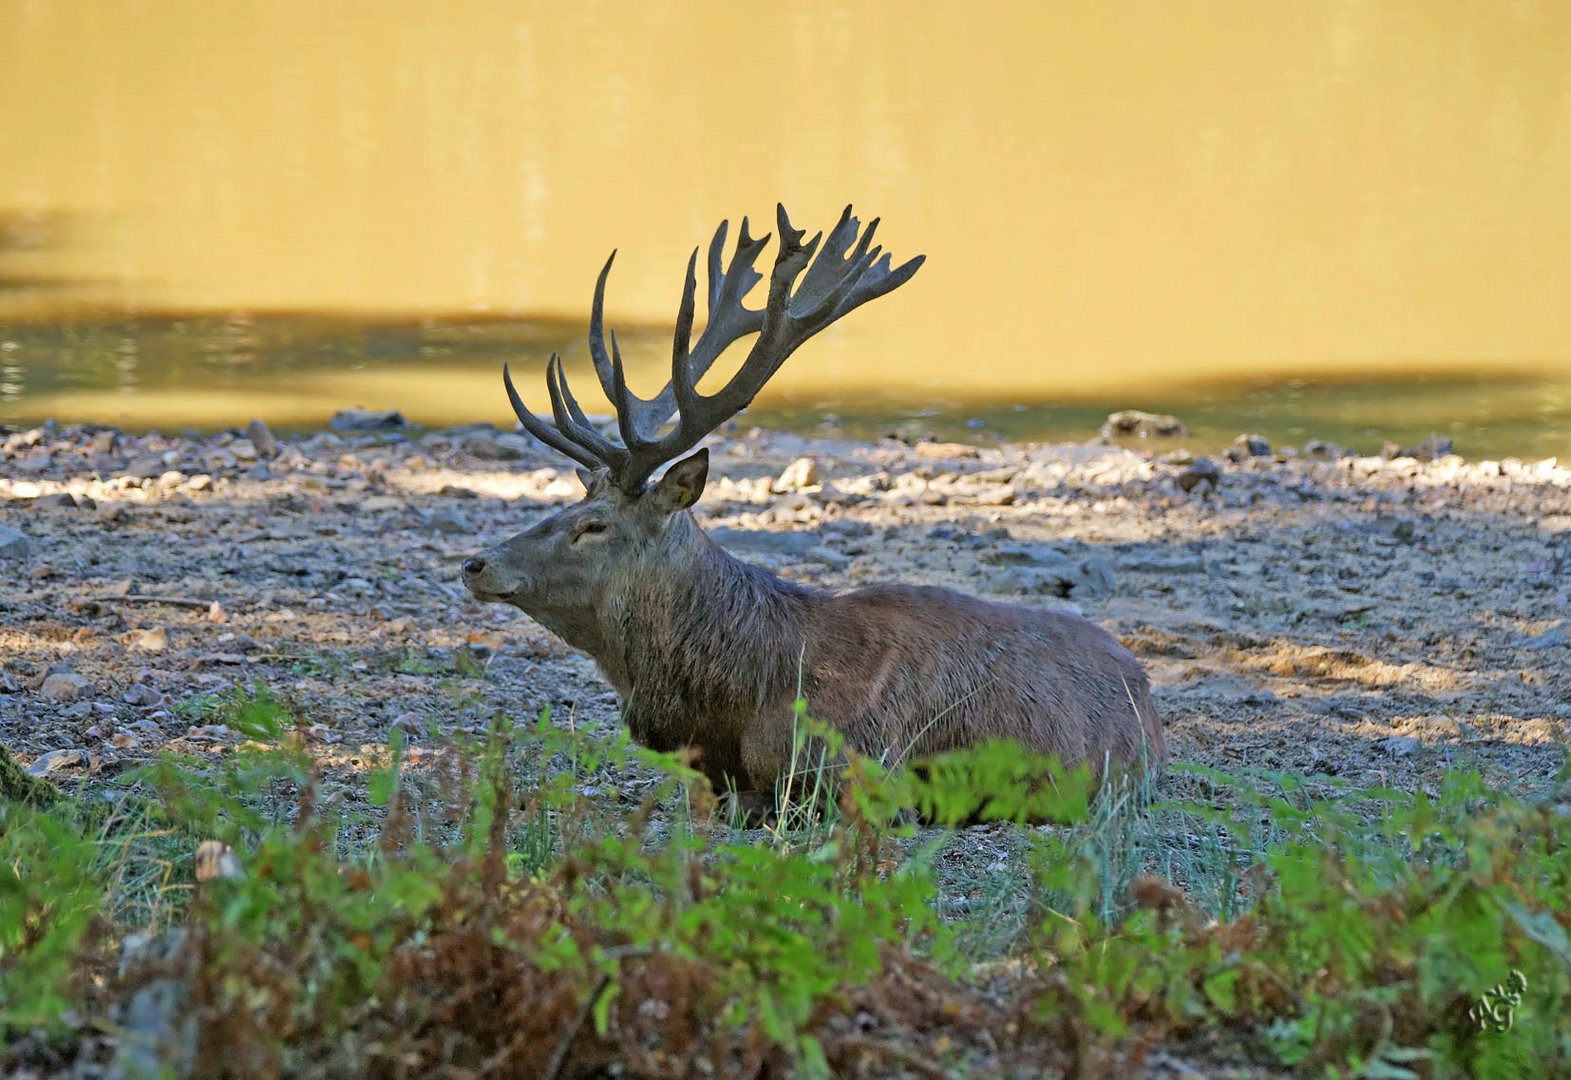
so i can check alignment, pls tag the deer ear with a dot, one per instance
(683, 483)
(593, 480)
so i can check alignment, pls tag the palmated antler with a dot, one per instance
(838, 279)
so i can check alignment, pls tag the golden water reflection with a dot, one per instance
(1119, 200)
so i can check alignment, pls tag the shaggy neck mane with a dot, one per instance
(694, 631)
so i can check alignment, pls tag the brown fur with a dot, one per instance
(709, 652)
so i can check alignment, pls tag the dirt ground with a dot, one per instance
(1376, 620)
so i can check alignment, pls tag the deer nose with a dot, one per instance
(473, 565)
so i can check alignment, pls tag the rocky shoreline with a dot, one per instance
(1373, 618)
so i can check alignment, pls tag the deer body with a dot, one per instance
(709, 652)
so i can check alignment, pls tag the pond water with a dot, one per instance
(1343, 220)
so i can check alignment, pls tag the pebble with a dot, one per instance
(501, 446)
(448, 519)
(143, 695)
(368, 420)
(801, 473)
(45, 764)
(1249, 446)
(945, 450)
(1143, 425)
(1553, 638)
(64, 686)
(1163, 564)
(145, 468)
(261, 438)
(1402, 746)
(148, 639)
(14, 544)
(1203, 471)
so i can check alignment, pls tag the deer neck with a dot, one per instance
(693, 628)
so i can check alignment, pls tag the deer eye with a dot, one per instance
(590, 528)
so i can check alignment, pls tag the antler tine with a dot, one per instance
(544, 431)
(811, 284)
(597, 329)
(571, 420)
(828, 282)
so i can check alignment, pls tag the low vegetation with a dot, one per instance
(546, 904)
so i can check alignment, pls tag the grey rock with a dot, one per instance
(448, 519)
(789, 544)
(1401, 530)
(829, 557)
(64, 686)
(61, 500)
(1554, 638)
(1143, 425)
(1401, 746)
(146, 467)
(1436, 446)
(1163, 564)
(262, 439)
(497, 446)
(45, 764)
(143, 695)
(1248, 446)
(1041, 570)
(1320, 450)
(14, 544)
(1203, 471)
(1096, 576)
(368, 420)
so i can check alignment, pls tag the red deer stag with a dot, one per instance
(709, 652)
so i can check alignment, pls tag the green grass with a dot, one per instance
(500, 905)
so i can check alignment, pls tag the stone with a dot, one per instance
(146, 467)
(1162, 564)
(1401, 746)
(261, 438)
(794, 545)
(1435, 446)
(143, 695)
(64, 686)
(368, 420)
(243, 450)
(14, 544)
(148, 639)
(801, 473)
(1554, 638)
(1038, 569)
(498, 446)
(1203, 471)
(1143, 425)
(1248, 446)
(376, 503)
(62, 500)
(1320, 450)
(944, 450)
(45, 764)
(447, 519)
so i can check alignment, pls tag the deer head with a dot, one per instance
(566, 566)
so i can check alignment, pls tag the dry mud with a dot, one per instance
(1375, 620)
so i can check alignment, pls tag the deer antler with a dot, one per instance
(838, 279)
